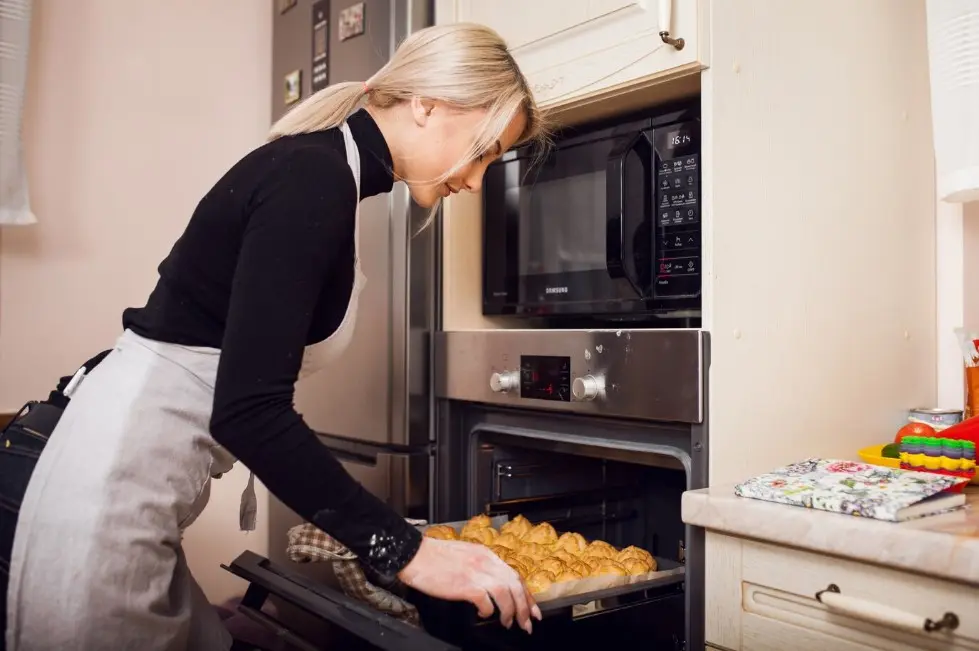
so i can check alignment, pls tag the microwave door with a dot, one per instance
(546, 224)
(628, 214)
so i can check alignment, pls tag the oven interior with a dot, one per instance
(620, 501)
(614, 494)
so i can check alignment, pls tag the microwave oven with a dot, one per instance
(605, 226)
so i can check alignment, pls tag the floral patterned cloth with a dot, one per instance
(846, 487)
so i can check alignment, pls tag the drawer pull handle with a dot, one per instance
(871, 611)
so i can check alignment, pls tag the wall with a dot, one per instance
(958, 292)
(133, 110)
(970, 264)
(820, 215)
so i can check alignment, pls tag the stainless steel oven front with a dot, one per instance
(595, 431)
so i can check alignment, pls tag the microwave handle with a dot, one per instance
(617, 228)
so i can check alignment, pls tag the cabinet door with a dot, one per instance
(570, 49)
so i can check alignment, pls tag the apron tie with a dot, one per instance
(248, 509)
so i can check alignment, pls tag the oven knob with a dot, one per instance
(588, 387)
(504, 382)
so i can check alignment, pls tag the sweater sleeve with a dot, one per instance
(300, 218)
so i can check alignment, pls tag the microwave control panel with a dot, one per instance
(678, 233)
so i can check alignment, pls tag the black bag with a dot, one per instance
(21, 444)
(27, 433)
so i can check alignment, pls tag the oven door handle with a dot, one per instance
(618, 224)
(367, 452)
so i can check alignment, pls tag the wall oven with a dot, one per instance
(606, 225)
(609, 458)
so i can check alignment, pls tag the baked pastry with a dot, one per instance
(636, 566)
(508, 539)
(593, 562)
(483, 536)
(609, 568)
(475, 523)
(568, 575)
(635, 552)
(598, 551)
(571, 542)
(526, 561)
(553, 565)
(542, 558)
(542, 534)
(441, 532)
(522, 570)
(563, 556)
(534, 551)
(540, 581)
(503, 552)
(601, 544)
(580, 567)
(517, 526)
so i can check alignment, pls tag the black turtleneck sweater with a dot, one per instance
(264, 268)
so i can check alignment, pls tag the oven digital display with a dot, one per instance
(545, 377)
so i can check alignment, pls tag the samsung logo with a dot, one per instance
(555, 290)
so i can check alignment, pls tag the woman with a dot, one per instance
(261, 288)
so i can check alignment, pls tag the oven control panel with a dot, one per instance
(545, 377)
(548, 377)
(652, 374)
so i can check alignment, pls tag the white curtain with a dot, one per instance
(953, 52)
(15, 31)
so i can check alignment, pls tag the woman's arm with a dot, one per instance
(301, 218)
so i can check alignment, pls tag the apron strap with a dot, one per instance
(248, 509)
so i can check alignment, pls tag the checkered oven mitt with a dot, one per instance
(307, 544)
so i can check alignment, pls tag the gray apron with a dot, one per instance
(97, 561)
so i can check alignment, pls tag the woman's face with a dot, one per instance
(441, 138)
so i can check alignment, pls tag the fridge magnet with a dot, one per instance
(352, 21)
(294, 86)
(286, 5)
(321, 35)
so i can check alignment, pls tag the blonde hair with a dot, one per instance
(465, 65)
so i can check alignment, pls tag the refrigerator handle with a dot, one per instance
(366, 452)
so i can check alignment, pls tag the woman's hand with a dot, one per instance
(462, 571)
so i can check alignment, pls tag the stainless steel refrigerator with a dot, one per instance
(375, 404)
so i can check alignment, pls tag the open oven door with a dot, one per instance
(377, 629)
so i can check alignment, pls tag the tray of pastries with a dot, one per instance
(556, 565)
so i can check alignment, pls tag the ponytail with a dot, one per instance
(463, 65)
(324, 109)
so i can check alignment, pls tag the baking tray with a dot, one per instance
(586, 595)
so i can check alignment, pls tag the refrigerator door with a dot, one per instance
(373, 406)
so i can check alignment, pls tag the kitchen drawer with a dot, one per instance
(875, 608)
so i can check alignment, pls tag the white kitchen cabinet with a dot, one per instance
(765, 600)
(573, 49)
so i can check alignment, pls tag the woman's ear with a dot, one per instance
(421, 110)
